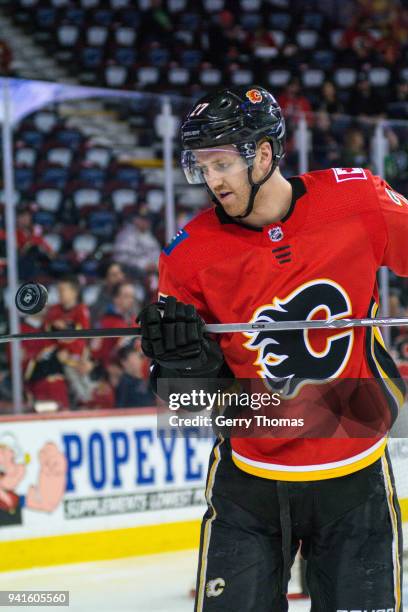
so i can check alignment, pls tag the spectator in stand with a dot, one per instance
(113, 274)
(135, 247)
(156, 25)
(71, 313)
(99, 392)
(219, 38)
(376, 11)
(33, 250)
(5, 58)
(363, 102)
(121, 313)
(259, 39)
(293, 103)
(395, 309)
(398, 106)
(388, 48)
(399, 26)
(6, 393)
(396, 161)
(329, 101)
(43, 370)
(354, 153)
(401, 354)
(325, 150)
(133, 388)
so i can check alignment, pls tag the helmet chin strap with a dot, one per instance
(254, 190)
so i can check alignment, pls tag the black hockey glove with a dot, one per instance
(173, 335)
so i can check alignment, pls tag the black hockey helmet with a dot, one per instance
(239, 116)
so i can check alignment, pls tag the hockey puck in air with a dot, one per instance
(31, 298)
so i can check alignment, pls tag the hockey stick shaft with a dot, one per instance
(73, 334)
(215, 328)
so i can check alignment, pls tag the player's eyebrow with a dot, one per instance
(214, 160)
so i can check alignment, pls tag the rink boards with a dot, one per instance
(124, 488)
(105, 485)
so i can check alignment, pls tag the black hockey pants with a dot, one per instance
(349, 529)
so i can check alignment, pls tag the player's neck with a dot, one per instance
(272, 202)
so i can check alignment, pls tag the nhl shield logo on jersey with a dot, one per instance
(254, 96)
(215, 587)
(290, 359)
(275, 233)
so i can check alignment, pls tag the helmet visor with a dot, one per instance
(204, 165)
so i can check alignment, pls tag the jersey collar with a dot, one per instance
(298, 190)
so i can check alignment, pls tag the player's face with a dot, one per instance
(226, 174)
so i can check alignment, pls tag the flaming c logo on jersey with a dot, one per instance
(254, 96)
(291, 359)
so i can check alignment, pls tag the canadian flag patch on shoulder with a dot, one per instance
(349, 174)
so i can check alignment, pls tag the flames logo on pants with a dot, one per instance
(290, 359)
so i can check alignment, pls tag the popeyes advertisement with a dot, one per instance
(67, 475)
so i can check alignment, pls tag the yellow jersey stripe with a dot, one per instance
(375, 335)
(319, 473)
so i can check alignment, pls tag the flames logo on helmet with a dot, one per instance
(254, 96)
(287, 360)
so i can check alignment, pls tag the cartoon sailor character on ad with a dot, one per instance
(44, 496)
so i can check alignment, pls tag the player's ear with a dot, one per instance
(263, 159)
(265, 154)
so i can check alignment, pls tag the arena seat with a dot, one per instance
(175, 6)
(250, 5)
(122, 198)
(313, 78)
(54, 241)
(92, 57)
(345, 77)
(125, 36)
(102, 223)
(49, 199)
(212, 6)
(84, 245)
(60, 155)
(116, 75)
(242, 77)
(278, 78)
(26, 156)
(148, 75)
(86, 198)
(379, 76)
(307, 39)
(279, 21)
(98, 156)
(178, 76)
(96, 36)
(68, 35)
(125, 56)
(210, 77)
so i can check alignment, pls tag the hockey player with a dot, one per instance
(284, 249)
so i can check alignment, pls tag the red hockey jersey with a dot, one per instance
(77, 317)
(320, 261)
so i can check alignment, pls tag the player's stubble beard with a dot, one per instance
(235, 204)
(272, 201)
